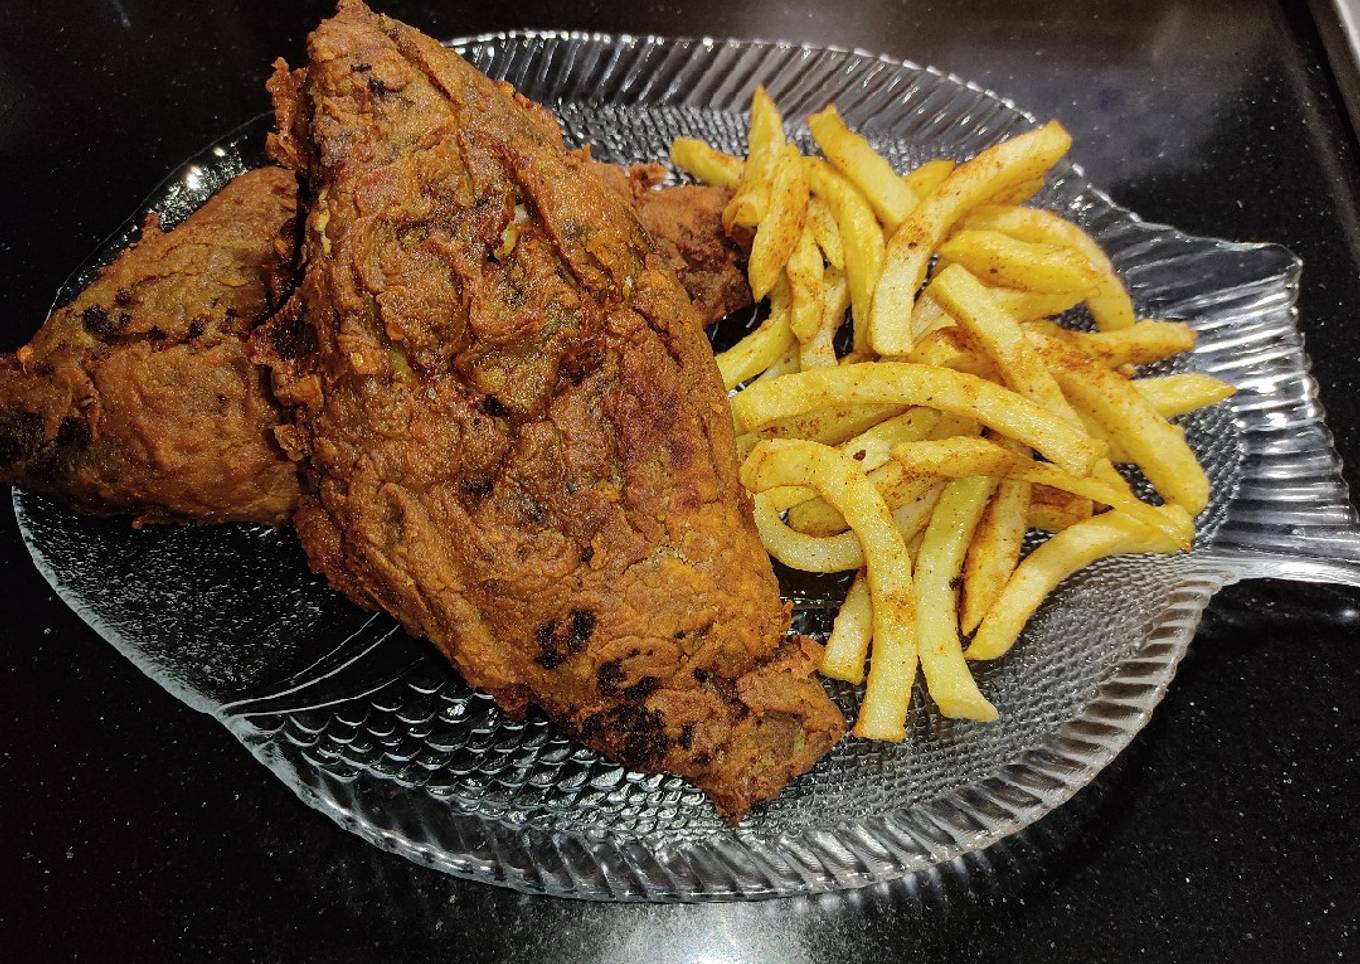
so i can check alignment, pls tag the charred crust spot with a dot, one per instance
(73, 433)
(549, 655)
(195, 329)
(587, 554)
(289, 339)
(230, 314)
(634, 736)
(476, 489)
(124, 319)
(860, 455)
(956, 582)
(97, 322)
(122, 297)
(376, 87)
(155, 334)
(679, 634)
(582, 625)
(703, 759)
(642, 689)
(20, 435)
(608, 676)
(701, 675)
(360, 68)
(221, 400)
(686, 736)
(493, 407)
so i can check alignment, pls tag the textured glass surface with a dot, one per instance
(373, 729)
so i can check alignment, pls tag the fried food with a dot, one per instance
(138, 397)
(524, 452)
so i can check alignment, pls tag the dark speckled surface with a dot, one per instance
(1227, 831)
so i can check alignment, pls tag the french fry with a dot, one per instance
(1029, 266)
(905, 384)
(1053, 510)
(1173, 395)
(861, 240)
(964, 457)
(798, 550)
(779, 230)
(1000, 337)
(762, 347)
(995, 550)
(938, 562)
(848, 644)
(824, 229)
(1127, 418)
(1004, 166)
(805, 273)
(1138, 344)
(928, 176)
(889, 195)
(898, 487)
(1040, 572)
(817, 517)
(1033, 305)
(1020, 193)
(927, 316)
(707, 164)
(839, 480)
(1109, 303)
(765, 141)
(785, 364)
(820, 350)
(829, 425)
(870, 448)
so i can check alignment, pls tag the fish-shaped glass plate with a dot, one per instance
(374, 729)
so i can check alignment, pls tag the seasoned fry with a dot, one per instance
(870, 449)
(819, 351)
(1053, 510)
(928, 176)
(779, 230)
(889, 195)
(762, 347)
(902, 383)
(963, 457)
(1020, 193)
(765, 141)
(1029, 266)
(1006, 165)
(1154, 444)
(783, 365)
(1039, 574)
(839, 480)
(824, 229)
(1033, 305)
(707, 164)
(938, 563)
(861, 240)
(1138, 344)
(995, 550)
(1109, 303)
(805, 273)
(798, 550)
(848, 644)
(1000, 337)
(1173, 395)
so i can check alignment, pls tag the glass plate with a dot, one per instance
(375, 730)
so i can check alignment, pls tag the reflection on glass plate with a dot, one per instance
(373, 729)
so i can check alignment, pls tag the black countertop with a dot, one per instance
(1227, 830)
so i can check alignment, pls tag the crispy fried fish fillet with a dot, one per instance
(515, 436)
(138, 397)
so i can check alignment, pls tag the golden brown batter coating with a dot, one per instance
(515, 435)
(138, 397)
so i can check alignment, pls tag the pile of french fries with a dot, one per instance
(960, 418)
